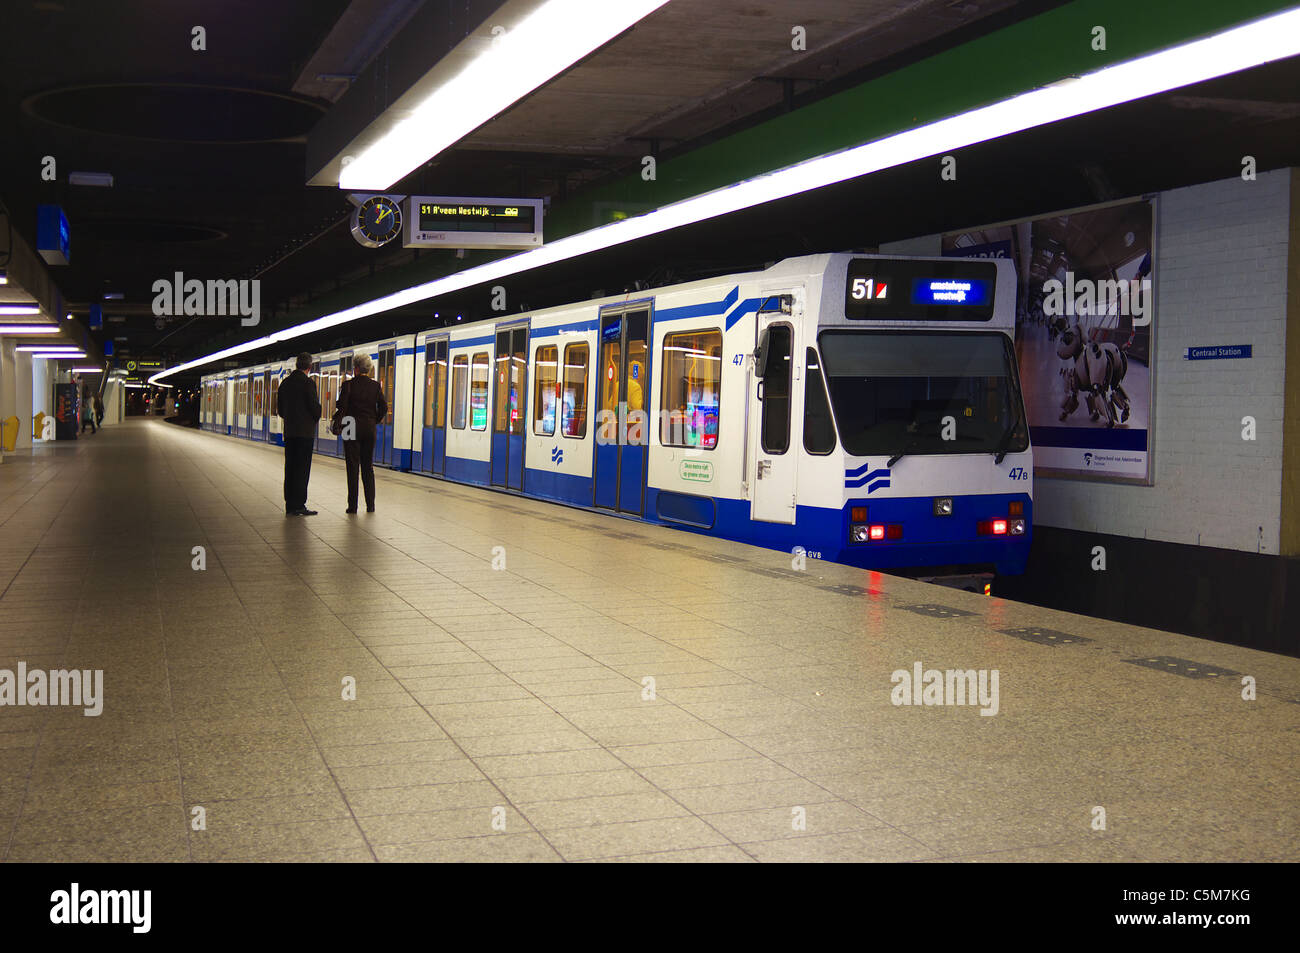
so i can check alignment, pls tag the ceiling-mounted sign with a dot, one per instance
(96, 317)
(441, 221)
(53, 240)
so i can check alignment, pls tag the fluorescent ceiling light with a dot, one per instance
(87, 370)
(28, 329)
(15, 309)
(4, 279)
(50, 349)
(103, 180)
(537, 49)
(1262, 41)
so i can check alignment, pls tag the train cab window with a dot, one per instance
(818, 428)
(546, 371)
(573, 400)
(480, 373)
(777, 371)
(692, 379)
(459, 383)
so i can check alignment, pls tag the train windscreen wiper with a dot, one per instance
(1005, 443)
(907, 448)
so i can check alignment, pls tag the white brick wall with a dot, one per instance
(1220, 272)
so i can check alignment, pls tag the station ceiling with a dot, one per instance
(207, 148)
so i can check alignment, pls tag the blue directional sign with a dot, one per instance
(1217, 352)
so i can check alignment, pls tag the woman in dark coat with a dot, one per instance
(362, 400)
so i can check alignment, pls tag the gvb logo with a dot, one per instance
(877, 479)
(557, 455)
(868, 289)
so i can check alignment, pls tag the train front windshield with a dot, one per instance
(900, 392)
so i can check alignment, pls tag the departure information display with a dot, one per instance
(460, 222)
(458, 217)
(904, 290)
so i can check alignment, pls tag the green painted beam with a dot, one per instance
(1030, 54)
(1024, 56)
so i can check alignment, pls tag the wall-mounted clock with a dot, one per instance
(377, 221)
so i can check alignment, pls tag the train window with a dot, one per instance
(430, 367)
(692, 362)
(502, 406)
(389, 392)
(544, 395)
(923, 392)
(275, 396)
(818, 428)
(440, 386)
(459, 382)
(478, 392)
(573, 401)
(776, 390)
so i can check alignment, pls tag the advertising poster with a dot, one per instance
(65, 412)
(1085, 312)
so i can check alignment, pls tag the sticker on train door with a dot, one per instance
(697, 471)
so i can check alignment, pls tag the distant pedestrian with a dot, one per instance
(87, 410)
(99, 411)
(362, 399)
(299, 406)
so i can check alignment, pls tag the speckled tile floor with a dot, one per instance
(505, 715)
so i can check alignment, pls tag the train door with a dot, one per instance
(387, 376)
(771, 421)
(622, 427)
(266, 405)
(434, 457)
(508, 416)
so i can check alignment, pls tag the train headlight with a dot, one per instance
(943, 506)
(858, 533)
(1015, 527)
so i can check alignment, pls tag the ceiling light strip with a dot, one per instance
(1243, 47)
(525, 57)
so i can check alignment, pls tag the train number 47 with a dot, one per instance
(1018, 473)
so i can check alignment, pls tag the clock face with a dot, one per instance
(377, 221)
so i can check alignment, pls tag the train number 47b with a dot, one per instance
(1018, 473)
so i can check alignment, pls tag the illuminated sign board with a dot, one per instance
(916, 290)
(53, 239)
(433, 221)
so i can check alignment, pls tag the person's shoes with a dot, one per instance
(306, 512)
(350, 509)
(370, 509)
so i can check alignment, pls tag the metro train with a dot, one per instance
(863, 409)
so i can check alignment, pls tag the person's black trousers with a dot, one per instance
(360, 454)
(297, 471)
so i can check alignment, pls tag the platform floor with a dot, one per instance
(499, 714)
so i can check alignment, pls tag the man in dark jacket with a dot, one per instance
(299, 405)
(362, 400)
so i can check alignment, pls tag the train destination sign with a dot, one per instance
(434, 221)
(908, 290)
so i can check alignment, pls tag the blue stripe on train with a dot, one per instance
(928, 540)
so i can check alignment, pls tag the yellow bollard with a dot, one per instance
(38, 424)
(11, 425)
